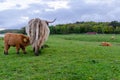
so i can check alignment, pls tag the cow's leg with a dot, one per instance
(17, 49)
(6, 47)
(23, 49)
(36, 50)
(33, 46)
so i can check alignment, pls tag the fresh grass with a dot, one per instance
(68, 57)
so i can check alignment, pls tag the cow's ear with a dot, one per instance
(25, 40)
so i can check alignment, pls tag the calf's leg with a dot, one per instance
(23, 49)
(17, 49)
(6, 48)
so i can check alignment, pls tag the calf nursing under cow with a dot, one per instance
(37, 31)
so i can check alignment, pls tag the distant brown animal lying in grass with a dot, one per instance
(106, 44)
(15, 40)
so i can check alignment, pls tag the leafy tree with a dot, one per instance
(22, 30)
(115, 24)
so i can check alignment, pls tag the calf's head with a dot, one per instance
(26, 41)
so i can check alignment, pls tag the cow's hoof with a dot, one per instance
(36, 53)
(17, 52)
(39, 51)
(45, 46)
(6, 53)
(25, 52)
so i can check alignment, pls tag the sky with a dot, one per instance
(15, 14)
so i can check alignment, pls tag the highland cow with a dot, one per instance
(38, 32)
(15, 40)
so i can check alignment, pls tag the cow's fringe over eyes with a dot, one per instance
(38, 32)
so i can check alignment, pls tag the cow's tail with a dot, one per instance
(44, 33)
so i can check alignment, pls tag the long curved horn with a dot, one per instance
(51, 21)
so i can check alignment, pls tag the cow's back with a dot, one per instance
(12, 39)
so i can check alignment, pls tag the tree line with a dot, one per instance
(112, 27)
(84, 27)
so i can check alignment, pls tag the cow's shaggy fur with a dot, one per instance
(15, 40)
(38, 32)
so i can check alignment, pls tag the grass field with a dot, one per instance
(68, 57)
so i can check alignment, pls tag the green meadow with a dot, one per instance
(67, 57)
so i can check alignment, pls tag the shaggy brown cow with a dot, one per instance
(16, 40)
(38, 32)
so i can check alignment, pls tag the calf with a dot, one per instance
(15, 40)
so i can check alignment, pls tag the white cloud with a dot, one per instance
(36, 11)
(108, 2)
(24, 19)
(13, 4)
(18, 4)
(59, 4)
